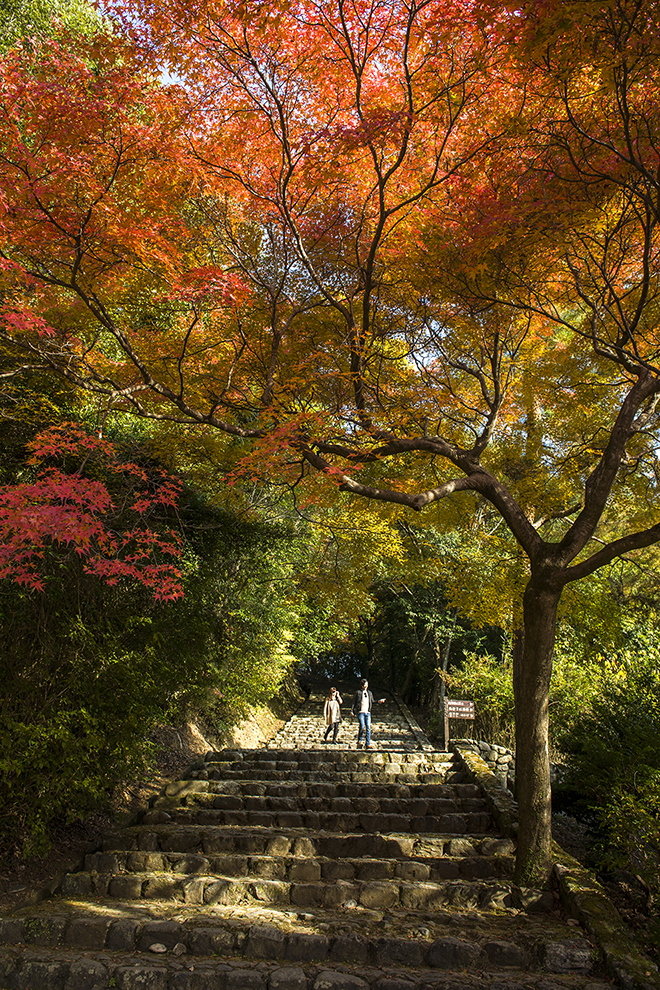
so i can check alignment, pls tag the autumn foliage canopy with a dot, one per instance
(401, 249)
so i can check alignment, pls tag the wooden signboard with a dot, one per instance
(459, 709)
(456, 709)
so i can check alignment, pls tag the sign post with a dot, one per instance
(456, 709)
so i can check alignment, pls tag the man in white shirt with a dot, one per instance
(362, 704)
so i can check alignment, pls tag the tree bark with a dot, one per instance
(532, 670)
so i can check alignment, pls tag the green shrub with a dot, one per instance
(488, 682)
(613, 768)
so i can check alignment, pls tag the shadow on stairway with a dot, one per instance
(304, 866)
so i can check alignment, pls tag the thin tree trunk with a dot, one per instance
(439, 688)
(532, 670)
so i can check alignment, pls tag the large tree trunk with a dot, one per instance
(532, 669)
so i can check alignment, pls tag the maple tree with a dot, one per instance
(28, 20)
(66, 507)
(405, 250)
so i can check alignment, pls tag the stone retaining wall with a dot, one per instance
(499, 759)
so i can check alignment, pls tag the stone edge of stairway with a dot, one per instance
(422, 739)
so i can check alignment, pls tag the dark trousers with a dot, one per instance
(335, 729)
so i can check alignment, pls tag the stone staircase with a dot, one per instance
(303, 866)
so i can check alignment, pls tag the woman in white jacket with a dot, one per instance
(332, 714)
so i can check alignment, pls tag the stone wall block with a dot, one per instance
(464, 896)
(79, 885)
(12, 931)
(535, 900)
(379, 896)
(193, 890)
(400, 952)
(148, 841)
(87, 974)
(162, 889)
(47, 932)
(38, 974)
(301, 947)
(304, 848)
(265, 942)
(567, 956)
(390, 983)
(181, 863)
(181, 842)
(497, 847)
(454, 953)
(140, 978)
(145, 862)
(122, 934)
(87, 933)
(327, 980)
(374, 869)
(221, 892)
(211, 942)
(218, 844)
(433, 848)
(169, 933)
(445, 869)
(243, 979)
(307, 871)
(202, 979)
(495, 898)
(421, 896)
(339, 869)
(460, 847)
(279, 845)
(289, 978)
(349, 949)
(413, 871)
(307, 894)
(505, 954)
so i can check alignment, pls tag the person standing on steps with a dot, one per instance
(362, 705)
(332, 714)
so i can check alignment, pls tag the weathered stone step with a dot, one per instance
(165, 836)
(49, 971)
(327, 790)
(272, 960)
(297, 868)
(292, 757)
(193, 888)
(461, 824)
(358, 776)
(300, 797)
(513, 941)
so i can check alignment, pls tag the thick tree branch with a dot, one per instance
(634, 541)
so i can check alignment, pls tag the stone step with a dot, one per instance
(357, 937)
(102, 951)
(310, 868)
(301, 797)
(370, 758)
(215, 783)
(461, 824)
(48, 971)
(380, 775)
(193, 889)
(164, 836)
